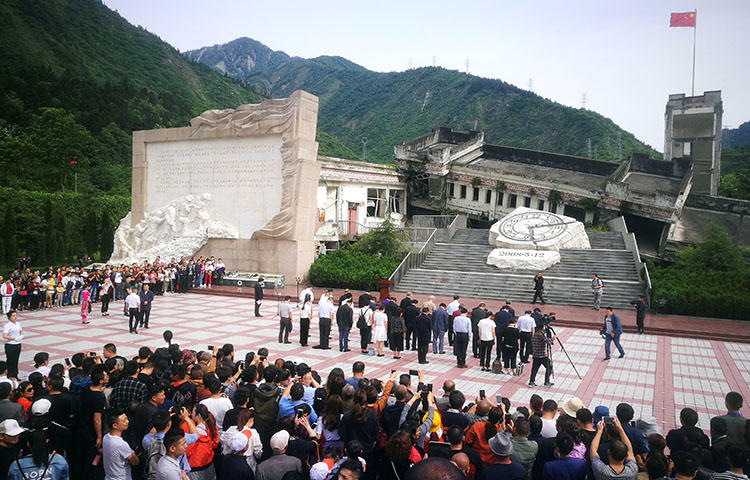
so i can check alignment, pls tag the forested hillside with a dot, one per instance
(387, 108)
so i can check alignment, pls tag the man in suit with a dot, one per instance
(344, 320)
(423, 330)
(410, 313)
(612, 331)
(147, 297)
(258, 292)
(440, 322)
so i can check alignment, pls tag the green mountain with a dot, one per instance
(736, 137)
(387, 108)
(76, 79)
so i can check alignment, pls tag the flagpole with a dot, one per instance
(695, 29)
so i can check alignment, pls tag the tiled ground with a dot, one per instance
(659, 375)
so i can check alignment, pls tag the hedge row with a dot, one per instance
(351, 269)
(54, 228)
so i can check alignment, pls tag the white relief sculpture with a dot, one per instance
(180, 228)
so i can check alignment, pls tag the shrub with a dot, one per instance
(360, 265)
(348, 268)
(710, 279)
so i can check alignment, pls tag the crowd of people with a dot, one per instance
(26, 289)
(176, 413)
(173, 413)
(405, 325)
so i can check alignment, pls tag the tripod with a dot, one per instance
(550, 332)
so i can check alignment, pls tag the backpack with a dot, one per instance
(497, 367)
(78, 383)
(266, 405)
(152, 456)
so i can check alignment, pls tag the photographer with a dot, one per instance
(539, 346)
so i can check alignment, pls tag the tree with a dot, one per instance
(107, 235)
(715, 252)
(91, 233)
(380, 241)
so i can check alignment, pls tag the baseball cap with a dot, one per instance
(41, 407)
(238, 442)
(599, 412)
(279, 440)
(10, 427)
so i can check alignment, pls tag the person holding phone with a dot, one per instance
(620, 452)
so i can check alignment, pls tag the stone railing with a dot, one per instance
(432, 221)
(618, 225)
(414, 259)
(459, 221)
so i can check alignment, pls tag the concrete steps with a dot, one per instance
(516, 287)
(460, 267)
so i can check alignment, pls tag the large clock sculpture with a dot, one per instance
(528, 239)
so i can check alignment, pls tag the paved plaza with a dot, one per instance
(658, 376)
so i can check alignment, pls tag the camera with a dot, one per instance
(608, 420)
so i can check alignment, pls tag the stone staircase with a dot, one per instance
(460, 267)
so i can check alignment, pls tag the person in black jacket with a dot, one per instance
(410, 314)
(258, 290)
(424, 332)
(538, 288)
(345, 320)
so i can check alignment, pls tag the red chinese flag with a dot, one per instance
(684, 19)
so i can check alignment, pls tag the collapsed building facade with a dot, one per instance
(665, 202)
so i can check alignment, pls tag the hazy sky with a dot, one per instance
(621, 54)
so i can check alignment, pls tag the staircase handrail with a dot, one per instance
(413, 260)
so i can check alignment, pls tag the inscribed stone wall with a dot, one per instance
(254, 171)
(242, 174)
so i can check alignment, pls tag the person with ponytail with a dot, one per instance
(479, 434)
(200, 454)
(40, 464)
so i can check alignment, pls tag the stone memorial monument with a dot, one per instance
(239, 184)
(529, 239)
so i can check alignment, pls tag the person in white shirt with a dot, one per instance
(7, 290)
(218, 403)
(365, 327)
(305, 314)
(133, 306)
(117, 456)
(526, 325)
(486, 328)
(307, 291)
(451, 308)
(325, 313)
(12, 334)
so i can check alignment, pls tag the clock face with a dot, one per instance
(547, 226)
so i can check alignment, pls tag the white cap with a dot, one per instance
(238, 442)
(10, 427)
(280, 440)
(41, 407)
(319, 471)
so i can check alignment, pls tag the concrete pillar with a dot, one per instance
(589, 217)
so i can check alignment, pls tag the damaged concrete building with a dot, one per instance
(665, 202)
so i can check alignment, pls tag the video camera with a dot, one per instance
(547, 319)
